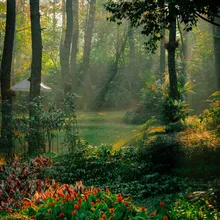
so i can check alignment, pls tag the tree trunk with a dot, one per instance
(131, 72)
(86, 54)
(162, 58)
(6, 93)
(35, 79)
(62, 37)
(171, 47)
(216, 35)
(74, 44)
(131, 45)
(65, 68)
(101, 96)
(184, 54)
(54, 15)
(14, 52)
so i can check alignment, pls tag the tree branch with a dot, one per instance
(205, 19)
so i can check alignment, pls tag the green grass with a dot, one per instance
(95, 128)
(107, 128)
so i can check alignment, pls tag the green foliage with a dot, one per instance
(175, 127)
(175, 110)
(89, 164)
(93, 204)
(150, 105)
(212, 116)
(201, 66)
(155, 101)
(52, 119)
(184, 209)
(152, 17)
(164, 152)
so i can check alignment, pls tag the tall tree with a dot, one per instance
(74, 43)
(131, 66)
(65, 63)
(184, 53)
(35, 79)
(86, 53)
(216, 35)
(6, 93)
(153, 17)
(171, 47)
(62, 37)
(162, 54)
(131, 72)
(54, 15)
(114, 69)
(162, 57)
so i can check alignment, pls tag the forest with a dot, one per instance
(110, 109)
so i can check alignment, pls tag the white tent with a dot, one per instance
(24, 86)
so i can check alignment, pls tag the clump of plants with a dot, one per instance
(53, 119)
(211, 116)
(69, 202)
(186, 209)
(175, 111)
(150, 105)
(97, 166)
(19, 181)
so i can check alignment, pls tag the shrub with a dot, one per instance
(164, 150)
(201, 209)
(150, 105)
(212, 116)
(175, 110)
(98, 166)
(175, 127)
(20, 180)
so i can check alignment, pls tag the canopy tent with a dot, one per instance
(24, 86)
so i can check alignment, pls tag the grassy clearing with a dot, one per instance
(104, 127)
(96, 128)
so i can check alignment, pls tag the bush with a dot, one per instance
(20, 180)
(150, 105)
(164, 151)
(98, 166)
(175, 127)
(212, 116)
(201, 209)
(175, 110)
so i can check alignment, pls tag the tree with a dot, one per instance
(216, 35)
(171, 47)
(62, 37)
(65, 58)
(154, 16)
(132, 62)
(86, 53)
(35, 79)
(162, 57)
(74, 44)
(184, 53)
(6, 93)
(114, 70)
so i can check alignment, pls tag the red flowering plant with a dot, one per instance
(161, 212)
(19, 181)
(71, 202)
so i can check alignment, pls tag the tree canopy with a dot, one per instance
(153, 16)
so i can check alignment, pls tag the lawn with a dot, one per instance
(95, 128)
(106, 128)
